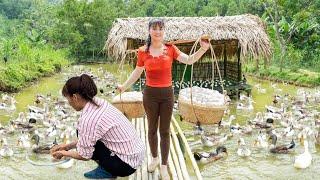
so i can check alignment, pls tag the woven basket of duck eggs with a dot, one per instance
(130, 104)
(207, 105)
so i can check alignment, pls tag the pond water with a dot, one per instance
(260, 165)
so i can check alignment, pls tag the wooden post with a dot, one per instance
(239, 64)
(224, 62)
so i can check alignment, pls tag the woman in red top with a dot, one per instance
(158, 98)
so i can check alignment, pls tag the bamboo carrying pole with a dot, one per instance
(180, 155)
(185, 142)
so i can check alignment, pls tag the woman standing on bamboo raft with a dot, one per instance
(156, 59)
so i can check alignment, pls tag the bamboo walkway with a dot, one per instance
(176, 162)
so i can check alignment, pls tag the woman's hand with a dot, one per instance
(205, 44)
(59, 154)
(120, 88)
(59, 147)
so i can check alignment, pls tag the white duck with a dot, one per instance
(228, 122)
(5, 151)
(303, 160)
(24, 141)
(243, 151)
(261, 142)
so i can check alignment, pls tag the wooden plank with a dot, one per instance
(190, 154)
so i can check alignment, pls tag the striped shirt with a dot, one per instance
(110, 126)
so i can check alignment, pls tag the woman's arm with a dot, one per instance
(71, 154)
(61, 147)
(132, 78)
(71, 145)
(184, 58)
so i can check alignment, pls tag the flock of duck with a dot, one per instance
(287, 123)
(48, 121)
(45, 123)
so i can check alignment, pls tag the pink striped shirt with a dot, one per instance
(110, 126)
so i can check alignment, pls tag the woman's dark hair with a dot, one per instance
(153, 23)
(82, 85)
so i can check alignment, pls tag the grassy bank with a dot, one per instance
(28, 65)
(299, 77)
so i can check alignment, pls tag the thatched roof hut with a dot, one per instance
(229, 34)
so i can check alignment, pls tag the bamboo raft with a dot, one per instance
(176, 162)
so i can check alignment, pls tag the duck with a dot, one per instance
(249, 107)
(303, 160)
(281, 149)
(247, 129)
(235, 129)
(228, 122)
(23, 141)
(198, 130)
(26, 127)
(5, 150)
(263, 125)
(204, 157)
(260, 141)
(243, 151)
(205, 141)
(258, 118)
(51, 131)
(289, 131)
(41, 149)
(273, 109)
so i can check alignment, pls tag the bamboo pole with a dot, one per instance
(156, 174)
(147, 145)
(132, 176)
(139, 134)
(144, 167)
(172, 169)
(185, 142)
(175, 160)
(180, 155)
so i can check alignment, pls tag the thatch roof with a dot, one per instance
(247, 30)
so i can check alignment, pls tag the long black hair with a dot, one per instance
(82, 85)
(153, 23)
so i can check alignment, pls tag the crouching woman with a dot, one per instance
(105, 135)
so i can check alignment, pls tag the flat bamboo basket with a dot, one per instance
(203, 114)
